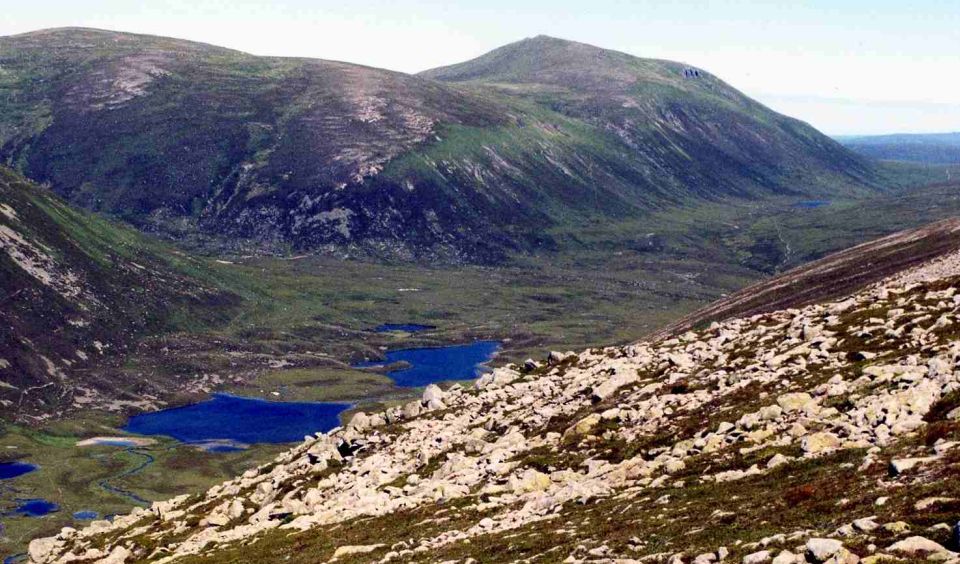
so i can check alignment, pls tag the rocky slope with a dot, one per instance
(823, 433)
(77, 294)
(218, 147)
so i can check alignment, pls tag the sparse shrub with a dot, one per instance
(946, 404)
(841, 403)
(940, 430)
(728, 519)
(701, 325)
(800, 494)
(541, 462)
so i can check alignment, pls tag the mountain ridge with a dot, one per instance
(269, 154)
(929, 148)
(829, 277)
(105, 33)
(533, 58)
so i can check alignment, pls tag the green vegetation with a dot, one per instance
(314, 314)
(599, 222)
(467, 164)
(294, 325)
(76, 477)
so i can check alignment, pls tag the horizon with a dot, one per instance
(831, 66)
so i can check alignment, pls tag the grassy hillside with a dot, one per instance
(467, 164)
(291, 326)
(78, 293)
(96, 315)
(704, 137)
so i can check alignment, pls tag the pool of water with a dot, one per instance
(406, 327)
(437, 364)
(812, 204)
(86, 515)
(35, 507)
(244, 420)
(13, 469)
(221, 446)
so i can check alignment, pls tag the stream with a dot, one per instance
(108, 487)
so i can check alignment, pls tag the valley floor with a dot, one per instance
(304, 320)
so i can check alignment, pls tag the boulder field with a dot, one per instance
(827, 433)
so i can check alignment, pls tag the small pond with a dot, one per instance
(220, 445)
(244, 420)
(85, 515)
(405, 327)
(35, 507)
(227, 423)
(13, 469)
(812, 204)
(437, 364)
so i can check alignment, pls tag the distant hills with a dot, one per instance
(931, 148)
(467, 163)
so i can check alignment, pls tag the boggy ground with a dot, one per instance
(828, 433)
(95, 477)
(301, 322)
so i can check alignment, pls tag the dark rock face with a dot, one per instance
(213, 145)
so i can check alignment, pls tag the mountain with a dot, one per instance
(78, 292)
(931, 148)
(697, 134)
(222, 149)
(829, 277)
(841, 418)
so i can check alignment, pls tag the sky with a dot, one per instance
(845, 66)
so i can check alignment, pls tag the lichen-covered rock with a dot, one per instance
(795, 401)
(818, 443)
(820, 550)
(916, 546)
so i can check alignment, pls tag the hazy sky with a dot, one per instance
(846, 66)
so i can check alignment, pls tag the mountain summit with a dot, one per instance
(463, 163)
(568, 64)
(698, 132)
